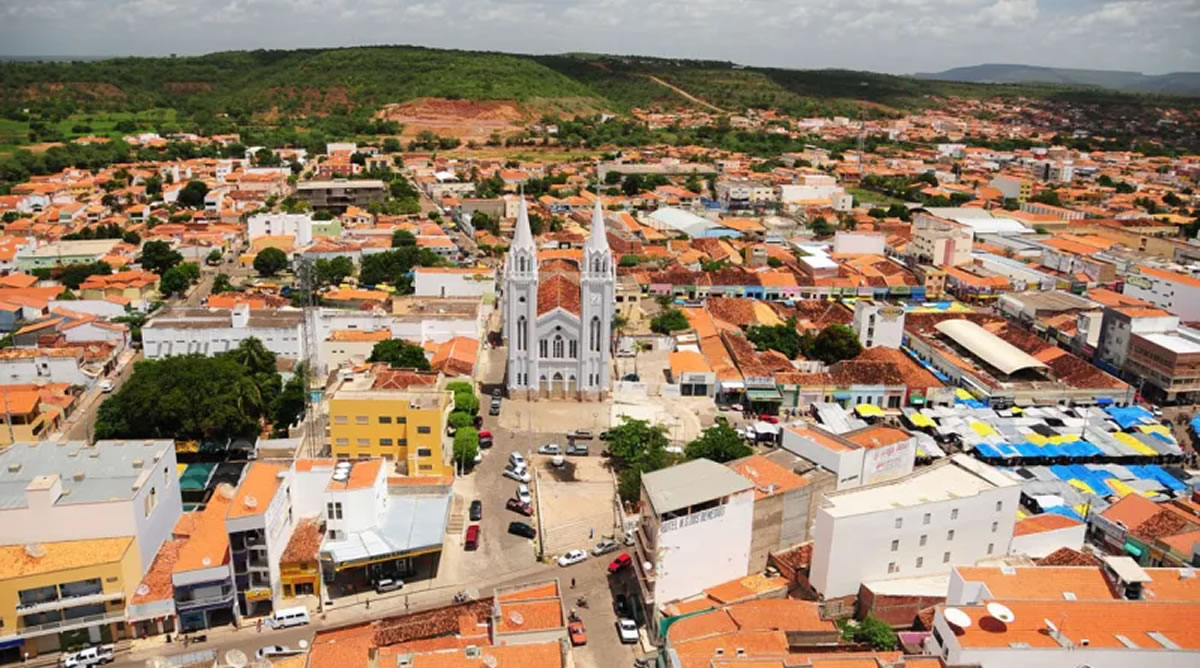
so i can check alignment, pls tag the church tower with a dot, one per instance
(597, 306)
(520, 306)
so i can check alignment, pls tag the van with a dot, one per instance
(91, 656)
(472, 537)
(287, 617)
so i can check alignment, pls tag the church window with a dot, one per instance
(543, 348)
(522, 333)
(523, 264)
(595, 334)
(558, 347)
(573, 347)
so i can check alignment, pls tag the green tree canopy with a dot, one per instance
(74, 274)
(466, 402)
(214, 256)
(720, 443)
(782, 338)
(833, 344)
(254, 356)
(399, 354)
(270, 261)
(222, 284)
(158, 257)
(401, 238)
(192, 195)
(871, 631)
(333, 271)
(671, 320)
(459, 419)
(466, 446)
(174, 282)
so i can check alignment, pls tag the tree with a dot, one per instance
(73, 275)
(132, 238)
(1048, 197)
(399, 354)
(833, 344)
(822, 227)
(782, 338)
(270, 261)
(174, 282)
(457, 386)
(334, 271)
(870, 631)
(158, 257)
(466, 402)
(459, 419)
(222, 284)
(466, 446)
(391, 145)
(1105, 181)
(774, 262)
(877, 212)
(671, 320)
(720, 443)
(192, 195)
(402, 238)
(214, 256)
(636, 447)
(253, 356)
(288, 406)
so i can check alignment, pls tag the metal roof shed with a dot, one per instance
(997, 352)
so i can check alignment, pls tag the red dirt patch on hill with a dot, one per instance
(95, 90)
(455, 118)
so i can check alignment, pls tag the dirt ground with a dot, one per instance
(576, 502)
(464, 119)
(555, 416)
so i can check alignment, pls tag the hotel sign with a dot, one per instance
(692, 520)
(1139, 281)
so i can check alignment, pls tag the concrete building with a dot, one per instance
(339, 194)
(1175, 292)
(697, 519)
(259, 523)
(864, 456)
(782, 504)
(202, 580)
(453, 282)
(940, 242)
(1013, 187)
(299, 226)
(1118, 326)
(63, 253)
(745, 194)
(1166, 364)
(212, 331)
(956, 511)
(45, 365)
(878, 324)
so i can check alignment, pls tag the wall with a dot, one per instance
(346, 434)
(708, 553)
(22, 370)
(846, 464)
(1179, 297)
(1044, 542)
(453, 283)
(164, 340)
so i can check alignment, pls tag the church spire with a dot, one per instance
(597, 238)
(523, 237)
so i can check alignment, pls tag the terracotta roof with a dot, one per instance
(1101, 622)
(1041, 582)
(877, 436)
(157, 580)
(558, 292)
(1065, 556)
(1042, 523)
(1131, 510)
(305, 542)
(258, 487)
(768, 477)
(387, 378)
(15, 561)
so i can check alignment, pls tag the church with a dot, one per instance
(558, 317)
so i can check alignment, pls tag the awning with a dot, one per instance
(764, 395)
(1103, 401)
(842, 395)
(916, 400)
(869, 410)
(1133, 549)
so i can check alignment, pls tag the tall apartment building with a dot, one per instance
(259, 523)
(1175, 292)
(378, 414)
(957, 511)
(878, 324)
(1013, 187)
(339, 194)
(940, 242)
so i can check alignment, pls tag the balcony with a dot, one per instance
(66, 625)
(69, 602)
(205, 601)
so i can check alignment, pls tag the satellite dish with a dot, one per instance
(957, 617)
(490, 661)
(250, 502)
(1001, 612)
(225, 490)
(206, 561)
(516, 618)
(303, 644)
(35, 550)
(1050, 625)
(236, 658)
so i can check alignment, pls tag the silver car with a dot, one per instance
(520, 475)
(604, 547)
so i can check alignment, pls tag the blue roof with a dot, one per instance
(1129, 416)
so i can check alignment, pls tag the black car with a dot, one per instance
(522, 529)
(476, 511)
(621, 605)
(477, 421)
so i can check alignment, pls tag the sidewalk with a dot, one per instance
(92, 397)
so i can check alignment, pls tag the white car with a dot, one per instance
(276, 650)
(523, 493)
(627, 630)
(106, 386)
(571, 558)
(550, 449)
(516, 459)
(520, 475)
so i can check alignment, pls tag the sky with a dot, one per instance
(896, 36)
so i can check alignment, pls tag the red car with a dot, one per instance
(517, 506)
(578, 633)
(623, 560)
(770, 419)
(485, 439)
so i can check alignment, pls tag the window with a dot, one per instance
(424, 452)
(543, 348)
(333, 510)
(558, 347)
(339, 419)
(151, 501)
(400, 419)
(899, 522)
(385, 419)
(362, 419)
(425, 467)
(945, 557)
(424, 430)
(892, 567)
(954, 513)
(950, 535)
(363, 441)
(403, 442)
(521, 333)
(999, 506)
(385, 442)
(342, 441)
(573, 349)
(991, 546)
(895, 544)
(595, 335)
(927, 518)
(995, 525)
(923, 538)
(920, 561)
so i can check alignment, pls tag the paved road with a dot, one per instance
(79, 426)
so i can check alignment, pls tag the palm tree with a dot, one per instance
(249, 397)
(253, 355)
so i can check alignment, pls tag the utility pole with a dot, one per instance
(314, 423)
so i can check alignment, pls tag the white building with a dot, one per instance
(860, 457)
(956, 511)
(45, 365)
(52, 492)
(940, 241)
(453, 282)
(878, 324)
(559, 327)
(1177, 293)
(296, 225)
(211, 331)
(696, 529)
(259, 523)
(860, 243)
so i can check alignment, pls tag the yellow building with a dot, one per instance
(57, 596)
(368, 418)
(300, 565)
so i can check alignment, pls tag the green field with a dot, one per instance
(864, 196)
(14, 134)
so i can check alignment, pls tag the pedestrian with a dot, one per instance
(572, 583)
(368, 604)
(591, 533)
(258, 625)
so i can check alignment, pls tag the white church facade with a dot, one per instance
(558, 317)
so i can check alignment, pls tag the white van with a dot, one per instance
(282, 619)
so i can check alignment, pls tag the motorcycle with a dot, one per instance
(581, 601)
(460, 597)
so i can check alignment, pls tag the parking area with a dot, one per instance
(576, 501)
(550, 417)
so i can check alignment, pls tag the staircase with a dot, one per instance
(455, 524)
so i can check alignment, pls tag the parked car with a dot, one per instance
(572, 557)
(107, 386)
(578, 633)
(516, 459)
(622, 561)
(631, 378)
(476, 512)
(472, 538)
(522, 529)
(627, 631)
(606, 434)
(581, 434)
(523, 493)
(518, 474)
(621, 605)
(577, 449)
(485, 439)
(278, 650)
(496, 392)
(517, 506)
(495, 408)
(91, 656)
(550, 449)
(477, 421)
(769, 419)
(388, 584)
(604, 547)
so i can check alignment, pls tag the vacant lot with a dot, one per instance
(576, 502)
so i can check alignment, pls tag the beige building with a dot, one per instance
(940, 242)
